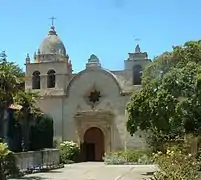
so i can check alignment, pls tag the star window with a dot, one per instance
(94, 96)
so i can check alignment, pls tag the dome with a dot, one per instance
(52, 44)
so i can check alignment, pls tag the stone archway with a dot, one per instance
(93, 146)
(87, 122)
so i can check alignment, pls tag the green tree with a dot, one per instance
(12, 91)
(11, 80)
(28, 112)
(169, 102)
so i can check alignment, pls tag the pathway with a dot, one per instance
(95, 171)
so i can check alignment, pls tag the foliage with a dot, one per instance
(41, 133)
(177, 163)
(139, 156)
(128, 157)
(27, 114)
(18, 124)
(69, 151)
(12, 92)
(12, 78)
(7, 160)
(170, 101)
(158, 141)
(27, 100)
(14, 133)
(114, 158)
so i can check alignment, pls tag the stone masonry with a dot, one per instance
(94, 97)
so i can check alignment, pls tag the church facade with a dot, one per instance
(87, 107)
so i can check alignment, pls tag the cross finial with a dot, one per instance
(137, 48)
(136, 39)
(52, 20)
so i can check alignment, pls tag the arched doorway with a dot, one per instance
(93, 147)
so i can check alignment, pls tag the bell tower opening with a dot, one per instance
(93, 147)
(137, 74)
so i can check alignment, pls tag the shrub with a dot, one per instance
(137, 156)
(158, 141)
(177, 163)
(41, 133)
(145, 159)
(69, 152)
(7, 162)
(114, 158)
(128, 157)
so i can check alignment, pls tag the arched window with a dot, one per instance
(137, 73)
(51, 79)
(36, 80)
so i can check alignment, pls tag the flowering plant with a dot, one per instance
(176, 163)
(68, 151)
(7, 162)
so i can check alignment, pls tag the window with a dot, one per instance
(36, 80)
(94, 97)
(51, 79)
(137, 73)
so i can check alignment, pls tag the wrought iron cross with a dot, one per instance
(52, 19)
(136, 39)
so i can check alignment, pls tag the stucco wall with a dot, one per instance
(63, 108)
(110, 100)
(54, 108)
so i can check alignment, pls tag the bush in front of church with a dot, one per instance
(69, 151)
(41, 133)
(132, 156)
(114, 158)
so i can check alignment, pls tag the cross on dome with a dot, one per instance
(52, 20)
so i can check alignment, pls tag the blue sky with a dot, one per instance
(103, 27)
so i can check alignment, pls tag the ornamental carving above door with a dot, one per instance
(93, 97)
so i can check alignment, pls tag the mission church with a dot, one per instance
(87, 107)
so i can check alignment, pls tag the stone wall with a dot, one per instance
(37, 159)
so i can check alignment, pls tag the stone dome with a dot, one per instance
(52, 44)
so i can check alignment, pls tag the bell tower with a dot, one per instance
(51, 68)
(135, 64)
